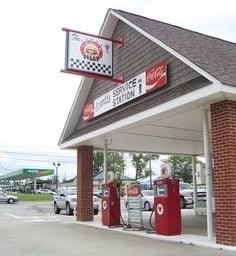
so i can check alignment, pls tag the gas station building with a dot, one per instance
(192, 112)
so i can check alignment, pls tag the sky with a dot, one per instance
(35, 97)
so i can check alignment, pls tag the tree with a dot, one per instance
(97, 162)
(115, 162)
(139, 162)
(181, 167)
(149, 159)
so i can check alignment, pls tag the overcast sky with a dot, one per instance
(35, 96)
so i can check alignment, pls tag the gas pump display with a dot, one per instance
(111, 205)
(167, 207)
(134, 203)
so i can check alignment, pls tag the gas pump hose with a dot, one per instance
(153, 230)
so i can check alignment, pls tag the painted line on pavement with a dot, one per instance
(13, 216)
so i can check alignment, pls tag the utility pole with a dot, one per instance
(56, 166)
(150, 170)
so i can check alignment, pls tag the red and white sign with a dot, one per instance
(88, 111)
(152, 79)
(160, 209)
(156, 77)
(133, 190)
(89, 54)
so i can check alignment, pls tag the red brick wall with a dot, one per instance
(223, 121)
(85, 183)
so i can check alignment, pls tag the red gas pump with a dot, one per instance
(167, 206)
(111, 205)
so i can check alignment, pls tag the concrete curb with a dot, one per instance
(187, 239)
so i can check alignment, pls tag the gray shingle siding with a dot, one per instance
(134, 57)
(214, 55)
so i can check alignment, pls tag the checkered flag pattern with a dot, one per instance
(90, 66)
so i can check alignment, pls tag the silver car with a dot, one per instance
(66, 199)
(10, 199)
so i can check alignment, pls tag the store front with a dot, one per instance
(178, 97)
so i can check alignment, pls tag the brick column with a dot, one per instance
(223, 122)
(85, 183)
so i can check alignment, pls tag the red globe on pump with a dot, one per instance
(111, 205)
(167, 207)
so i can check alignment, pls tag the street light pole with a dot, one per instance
(56, 166)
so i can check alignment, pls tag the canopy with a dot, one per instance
(23, 174)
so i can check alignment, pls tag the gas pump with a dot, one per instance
(110, 205)
(167, 206)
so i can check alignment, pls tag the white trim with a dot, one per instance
(170, 105)
(206, 142)
(229, 88)
(167, 48)
(78, 103)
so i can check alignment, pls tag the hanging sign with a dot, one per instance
(88, 53)
(153, 78)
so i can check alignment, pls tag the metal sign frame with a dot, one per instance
(90, 55)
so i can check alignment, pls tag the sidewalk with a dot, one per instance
(193, 231)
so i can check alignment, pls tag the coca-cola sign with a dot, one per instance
(152, 79)
(88, 112)
(156, 77)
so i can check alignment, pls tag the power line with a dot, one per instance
(34, 154)
(36, 160)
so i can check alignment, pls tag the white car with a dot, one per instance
(186, 194)
(44, 191)
(147, 199)
(10, 199)
(66, 199)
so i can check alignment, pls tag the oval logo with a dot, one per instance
(160, 209)
(91, 50)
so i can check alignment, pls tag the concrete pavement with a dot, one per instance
(31, 229)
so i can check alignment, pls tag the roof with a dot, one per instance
(23, 174)
(214, 55)
(213, 58)
(100, 177)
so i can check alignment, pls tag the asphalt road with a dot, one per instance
(31, 229)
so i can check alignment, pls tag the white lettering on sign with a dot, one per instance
(153, 78)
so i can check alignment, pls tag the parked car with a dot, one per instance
(66, 198)
(98, 193)
(186, 194)
(10, 199)
(44, 191)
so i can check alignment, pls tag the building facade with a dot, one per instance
(194, 113)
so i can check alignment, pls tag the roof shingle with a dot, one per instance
(216, 56)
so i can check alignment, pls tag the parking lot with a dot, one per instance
(33, 229)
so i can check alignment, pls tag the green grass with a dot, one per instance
(33, 197)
